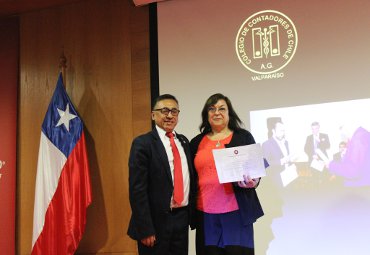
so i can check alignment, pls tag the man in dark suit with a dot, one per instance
(316, 143)
(316, 147)
(276, 149)
(160, 220)
(342, 151)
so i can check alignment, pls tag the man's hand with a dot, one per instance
(149, 241)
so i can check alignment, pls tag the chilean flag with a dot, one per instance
(62, 191)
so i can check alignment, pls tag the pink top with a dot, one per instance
(213, 197)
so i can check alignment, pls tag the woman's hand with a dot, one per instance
(248, 182)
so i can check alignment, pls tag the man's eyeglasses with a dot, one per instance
(166, 111)
(213, 110)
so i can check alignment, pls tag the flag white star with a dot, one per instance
(65, 117)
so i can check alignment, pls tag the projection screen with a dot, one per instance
(304, 65)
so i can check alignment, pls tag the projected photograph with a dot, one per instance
(318, 179)
(316, 144)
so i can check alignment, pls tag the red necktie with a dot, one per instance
(178, 193)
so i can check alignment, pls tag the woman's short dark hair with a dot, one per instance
(234, 121)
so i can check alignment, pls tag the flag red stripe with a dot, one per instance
(66, 214)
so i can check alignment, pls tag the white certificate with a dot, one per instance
(289, 174)
(233, 163)
(319, 165)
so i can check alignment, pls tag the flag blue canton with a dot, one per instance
(65, 140)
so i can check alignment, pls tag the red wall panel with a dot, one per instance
(9, 57)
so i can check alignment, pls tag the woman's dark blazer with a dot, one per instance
(248, 202)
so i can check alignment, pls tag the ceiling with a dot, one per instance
(13, 7)
(144, 2)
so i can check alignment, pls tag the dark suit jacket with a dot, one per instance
(272, 152)
(323, 145)
(151, 186)
(273, 155)
(337, 156)
(248, 202)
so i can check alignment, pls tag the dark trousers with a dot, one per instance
(173, 238)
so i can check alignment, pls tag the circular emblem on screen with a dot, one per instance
(266, 42)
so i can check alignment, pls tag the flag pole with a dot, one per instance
(63, 66)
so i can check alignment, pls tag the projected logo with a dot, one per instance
(266, 42)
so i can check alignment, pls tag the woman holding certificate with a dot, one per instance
(225, 212)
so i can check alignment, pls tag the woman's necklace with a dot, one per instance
(223, 136)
